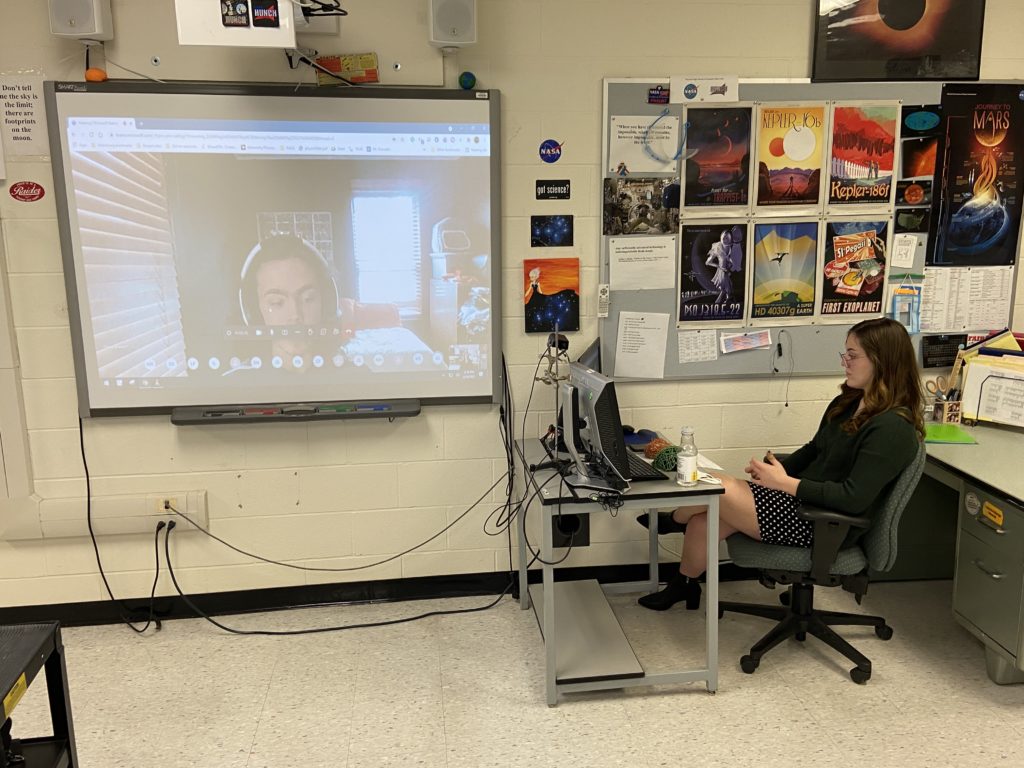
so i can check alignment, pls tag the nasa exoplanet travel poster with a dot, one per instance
(863, 150)
(981, 176)
(712, 272)
(853, 279)
(785, 267)
(790, 153)
(718, 170)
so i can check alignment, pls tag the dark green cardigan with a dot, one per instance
(849, 473)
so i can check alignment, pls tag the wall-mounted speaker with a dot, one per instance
(88, 19)
(452, 23)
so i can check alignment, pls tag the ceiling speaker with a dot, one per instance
(81, 18)
(452, 23)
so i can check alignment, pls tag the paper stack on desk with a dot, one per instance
(993, 385)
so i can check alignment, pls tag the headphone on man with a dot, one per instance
(279, 247)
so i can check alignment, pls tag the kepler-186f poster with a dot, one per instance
(981, 172)
(718, 170)
(863, 150)
(785, 266)
(790, 152)
(712, 272)
(854, 267)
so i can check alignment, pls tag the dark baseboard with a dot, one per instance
(280, 598)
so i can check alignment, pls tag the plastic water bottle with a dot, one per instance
(686, 459)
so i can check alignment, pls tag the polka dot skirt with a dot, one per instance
(777, 520)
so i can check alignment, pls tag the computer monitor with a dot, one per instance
(591, 356)
(590, 417)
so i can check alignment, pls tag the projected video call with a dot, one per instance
(281, 272)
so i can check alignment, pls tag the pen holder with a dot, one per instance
(946, 411)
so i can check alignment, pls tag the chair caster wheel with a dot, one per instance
(748, 664)
(801, 636)
(860, 676)
(884, 631)
(784, 598)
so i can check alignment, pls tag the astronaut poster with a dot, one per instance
(978, 207)
(718, 162)
(854, 267)
(785, 268)
(863, 151)
(712, 272)
(790, 154)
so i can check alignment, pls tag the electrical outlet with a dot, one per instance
(191, 506)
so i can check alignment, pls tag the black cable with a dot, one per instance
(316, 630)
(526, 537)
(231, 546)
(122, 607)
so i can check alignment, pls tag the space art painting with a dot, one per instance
(712, 272)
(718, 162)
(897, 40)
(551, 295)
(790, 153)
(981, 176)
(785, 265)
(863, 151)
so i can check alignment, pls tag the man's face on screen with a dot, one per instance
(289, 293)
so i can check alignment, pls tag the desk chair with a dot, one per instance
(827, 564)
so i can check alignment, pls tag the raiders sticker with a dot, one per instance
(234, 13)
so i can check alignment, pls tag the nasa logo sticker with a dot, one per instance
(690, 91)
(550, 151)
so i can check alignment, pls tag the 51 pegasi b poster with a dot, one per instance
(979, 208)
(863, 150)
(854, 269)
(712, 274)
(785, 265)
(790, 152)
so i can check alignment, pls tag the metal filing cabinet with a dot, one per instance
(988, 589)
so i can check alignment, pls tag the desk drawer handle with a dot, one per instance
(998, 530)
(995, 575)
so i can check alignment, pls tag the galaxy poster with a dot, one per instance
(712, 272)
(718, 164)
(640, 206)
(785, 268)
(897, 40)
(550, 231)
(551, 295)
(863, 153)
(978, 208)
(853, 280)
(790, 152)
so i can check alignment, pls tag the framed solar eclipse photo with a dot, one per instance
(897, 40)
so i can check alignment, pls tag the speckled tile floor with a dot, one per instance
(467, 690)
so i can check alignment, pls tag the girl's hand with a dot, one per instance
(771, 474)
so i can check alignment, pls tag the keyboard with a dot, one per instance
(642, 470)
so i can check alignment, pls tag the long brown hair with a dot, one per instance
(896, 385)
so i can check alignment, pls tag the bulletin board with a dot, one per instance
(804, 345)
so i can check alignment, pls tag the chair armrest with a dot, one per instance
(830, 530)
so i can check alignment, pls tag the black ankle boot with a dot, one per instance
(678, 588)
(666, 523)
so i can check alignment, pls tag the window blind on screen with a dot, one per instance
(127, 254)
